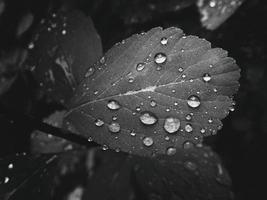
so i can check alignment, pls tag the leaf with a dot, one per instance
(215, 12)
(44, 177)
(27, 177)
(194, 173)
(155, 90)
(45, 143)
(64, 47)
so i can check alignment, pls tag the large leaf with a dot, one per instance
(215, 12)
(64, 47)
(194, 173)
(154, 91)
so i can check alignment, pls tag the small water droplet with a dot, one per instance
(153, 103)
(99, 122)
(167, 138)
(90, 139)
(188, 117)
(102, 60)
(140, 67)
(210, 121)
(171, 124)
(114, 127)
(160, 58)
(188, 145)
(173, 91)
(138, 109)
(148, 118)
(96, 92)
(10, 166)
(164, 41)
(64, 32)
(131, 79)
(89, 72)
(171, 151)
(6, 180)
(176, 103)
(168, 110)
(232, 108)
(132, 133)
(212, 3)
(183, 76)
(180, 69)
(202, 130)
(193, 101)
(215, 90)
(113, 105)
(104, 147)
(190, 165)
(117, 150)
(48, 29)
(211, 66)
(148, 141)
(206, 77)
(188, 128)
(31, 45)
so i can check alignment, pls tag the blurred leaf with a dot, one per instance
(64, 47)
(194, 173)
(215, 12)
(155, 90)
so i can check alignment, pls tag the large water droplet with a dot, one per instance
(148, 141)
(171, 124)
(89, 72)
(160, 58)
(206, 77)
(113, 105)
(148, 118)
(114, 127)
(164, 41)
(171, 151)
(140, 67)
(188, 128)
(188, 145)
(99, 122)
(193, 101)
(190, 165)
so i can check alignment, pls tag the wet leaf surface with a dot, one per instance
(195, 170)
(64, 46)
(155, 90)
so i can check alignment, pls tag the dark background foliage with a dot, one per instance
(241, 141)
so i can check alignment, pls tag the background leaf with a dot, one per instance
(65, 45)
(194, 173)
(155, 91)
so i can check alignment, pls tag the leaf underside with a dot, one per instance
(64, 46)
(160, 89)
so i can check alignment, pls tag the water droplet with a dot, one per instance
(148, 141)
(153, 103)
(6, 180)
(212, 3)
(168, 110)
(176, 103)
(102, 60)
(133, 133)
(180, 69)
(190, 165)
(215, 90)
(183, 76)
(90, 139)
(148, 118)
(160, 58)
(117, 150)
(171, 151)
(188, 117)
(167, 138)
(64, 32)
(48, 29)
(104, 147)
(95, 92)
(164, 41)
(10, 166)
(171, 125)
(193, 101)
(140, 66)
(89, 72)
(188, 128)
(188, 145)
(138, 109)
(210, 121)
(232, 108)
(202, 130)
(206, 77)
(114, 127)
(113, 105)
(131, 79)
(99, 122)
(211, 66)
(31, 45)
